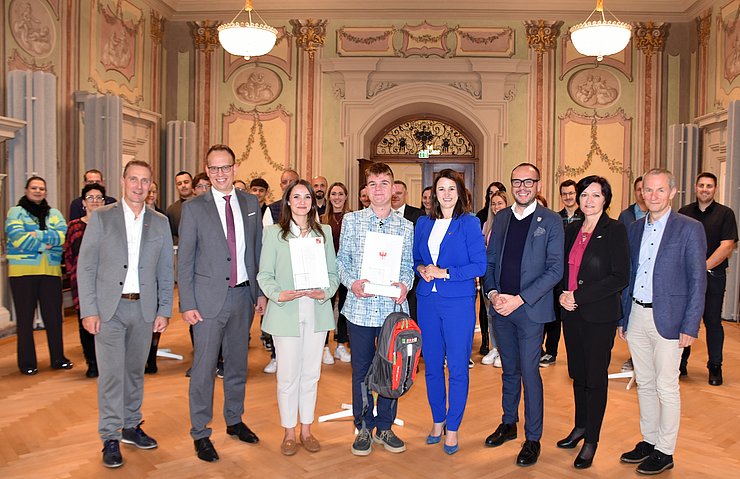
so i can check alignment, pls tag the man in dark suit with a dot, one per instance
(76, 210)
(286, 178)
(662, 308)
(525, 262)
(220, 243)
(125, 277)
(398, 203)
(636, 210)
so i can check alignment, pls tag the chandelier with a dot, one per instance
(600, 38)
(247, 39)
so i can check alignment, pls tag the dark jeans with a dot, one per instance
(363, 339)
(88, 343)
(589, 347)
(716, 282)
(340, 335)
(28, 291)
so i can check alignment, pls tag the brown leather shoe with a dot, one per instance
(310, 443)
(288, 447)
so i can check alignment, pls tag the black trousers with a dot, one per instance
(716, 282)
(340, 335)
(551, 335)
(28, 291)
(87, 341)
(483, 318)
(589, 347)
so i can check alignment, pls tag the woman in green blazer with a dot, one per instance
(298, 320)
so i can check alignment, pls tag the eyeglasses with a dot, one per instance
(202, 186)
(223, 169)
(527, 182)
(94, 198)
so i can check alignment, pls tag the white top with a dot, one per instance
(435, 240)
(241, 245)
(267, 218)
(527, 211)
(134, 227)
(400, 211)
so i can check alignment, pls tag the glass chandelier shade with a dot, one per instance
(247, 39)
(601, 37)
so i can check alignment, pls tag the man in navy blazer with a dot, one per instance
(525, 262)
(662, 308)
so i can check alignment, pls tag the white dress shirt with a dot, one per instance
(134, 227)
(241, 245)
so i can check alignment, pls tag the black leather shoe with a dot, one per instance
(137, 437)
(92, 371)
(504, 432)
(241, 431)
(641, 452)
(586, 457)
(715, 375)
(529, 454)
(112, 454)
(29, 371)
(151, 368)
(656, 463)
(205, 450)
(573, 438)
(63, 363)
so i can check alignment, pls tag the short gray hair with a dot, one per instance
(662, 171)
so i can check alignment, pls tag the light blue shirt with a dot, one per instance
(638, 212)
(371, 311)
(651, 238)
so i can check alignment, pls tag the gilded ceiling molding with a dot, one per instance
(649, 37)
(205, 35)
(542, 35)
(309, 34)
(157, 27)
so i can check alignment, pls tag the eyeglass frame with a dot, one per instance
(223, 169)
(94, 198)
(527, 182)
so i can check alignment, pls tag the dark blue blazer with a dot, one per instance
(542, 261)
(462, 252)
(679, 276)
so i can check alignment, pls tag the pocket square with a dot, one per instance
(252, 213)
(539, 231)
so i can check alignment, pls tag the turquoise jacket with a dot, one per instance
(28, 253)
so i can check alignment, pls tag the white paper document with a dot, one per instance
(381, 263)
(308, 259)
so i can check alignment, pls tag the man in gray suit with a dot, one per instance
(219, 250)
(125, 277)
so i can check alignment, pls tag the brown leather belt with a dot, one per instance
(131, 296)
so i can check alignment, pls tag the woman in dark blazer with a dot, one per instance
(448, 255)
(596, 271)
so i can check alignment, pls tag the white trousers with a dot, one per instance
(299, 368)
(656, 361)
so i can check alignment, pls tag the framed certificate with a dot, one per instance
(381, 263)
(308, 260)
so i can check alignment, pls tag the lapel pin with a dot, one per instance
(539, 218)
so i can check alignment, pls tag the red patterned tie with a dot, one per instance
(231, 240)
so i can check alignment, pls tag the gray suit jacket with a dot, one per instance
(103, 263)
(203, 262)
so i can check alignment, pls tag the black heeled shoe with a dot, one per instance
(586, 457)
(573, 438)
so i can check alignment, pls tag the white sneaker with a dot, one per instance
(497, 362)
(342, 354)
(488, 358)
(327, 357)
(271, 367)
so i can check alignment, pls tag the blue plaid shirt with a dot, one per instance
(372, 311)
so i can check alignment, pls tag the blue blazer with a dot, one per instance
(679, 276)
(462, 252)
(542, 261)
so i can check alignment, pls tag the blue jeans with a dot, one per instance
(363, 340)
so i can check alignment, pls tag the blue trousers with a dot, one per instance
(447, 326)
(519, 340)
(363, 340)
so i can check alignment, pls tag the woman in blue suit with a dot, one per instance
(448, 255)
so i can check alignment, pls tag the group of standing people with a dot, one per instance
(645, 281)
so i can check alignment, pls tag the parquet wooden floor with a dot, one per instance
(48, 424)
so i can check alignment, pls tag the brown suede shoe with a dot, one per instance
(311, 443)
(288, 447)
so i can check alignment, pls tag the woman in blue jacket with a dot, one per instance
(448, 255)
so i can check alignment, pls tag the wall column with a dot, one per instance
(649, 39)
(703, 31)
(542, 38)
(309, 37)
(205, 39)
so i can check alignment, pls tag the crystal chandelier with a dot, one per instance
(600, 38)
(247, 39)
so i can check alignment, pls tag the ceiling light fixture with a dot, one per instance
(600, 38)
(247, 39)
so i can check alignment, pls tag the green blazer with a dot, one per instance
(276, 275)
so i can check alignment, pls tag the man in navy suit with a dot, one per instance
(525, 262)
(662, 308)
